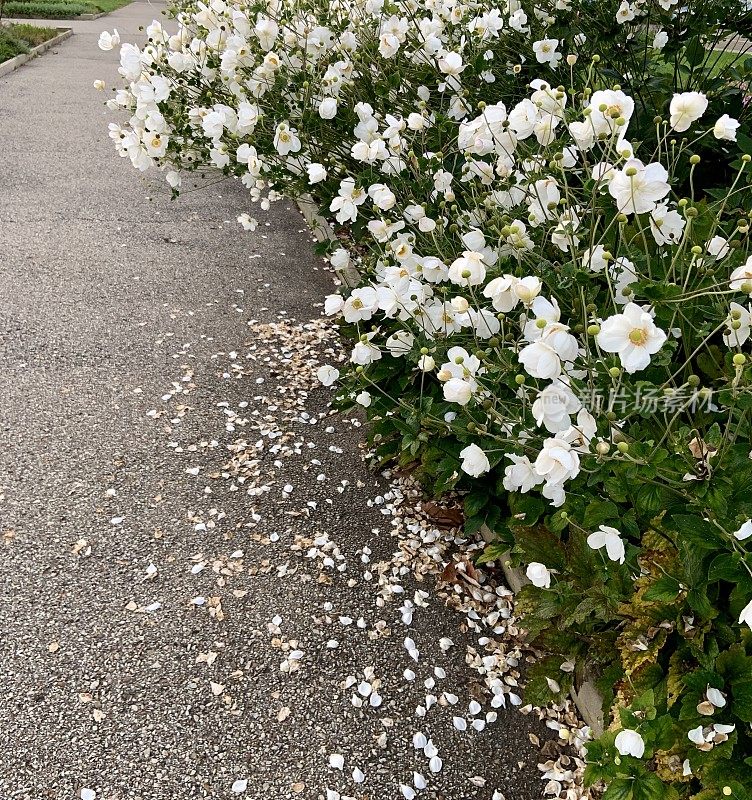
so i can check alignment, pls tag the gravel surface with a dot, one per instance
(184, 531)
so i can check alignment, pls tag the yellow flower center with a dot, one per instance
(638, 336)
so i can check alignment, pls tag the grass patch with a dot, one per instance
(17, 39)
(59, 9)
(110, 5)
(720, 60)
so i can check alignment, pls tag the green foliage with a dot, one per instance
(17, 39)
(47, 9)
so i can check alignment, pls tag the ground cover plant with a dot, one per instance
(549, 206)
(18, 39)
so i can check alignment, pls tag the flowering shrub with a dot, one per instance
(554, 314)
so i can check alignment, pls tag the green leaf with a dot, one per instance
(665, 590)
(526, 509)
(651, 499)
(694, 52)
(493, 552)
(598, 512)
(725, 567)
(475, 501)
(697, 531)
(741, 704)
(619, 789)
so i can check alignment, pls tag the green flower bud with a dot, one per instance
(623, 447)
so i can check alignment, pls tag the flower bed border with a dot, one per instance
(17, 61)
(586, 697)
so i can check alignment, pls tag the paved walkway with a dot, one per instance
(149, 376)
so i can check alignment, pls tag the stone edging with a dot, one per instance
(15, 62)
(586, 697)
(322, 230)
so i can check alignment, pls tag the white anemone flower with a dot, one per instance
(468, 269)
(520, 475)
(458, 390)
(638, 187)
(474, 461)
(500, 291)
(286, 139)
(739, 322)
(266, 31)
(328, 108)
(316, 173)
(633, 336)
(725, 128)
(741, 275)
(538, 574)
(746, 615)
(610, 538)
(545, 51)
(108, 41)
(660, 40)
(327, 374)
(630, 743)
(553, 407)
(686, 108)
(558, 461)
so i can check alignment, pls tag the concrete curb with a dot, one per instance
(586, 696)
(14, 63)
(322, 230)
